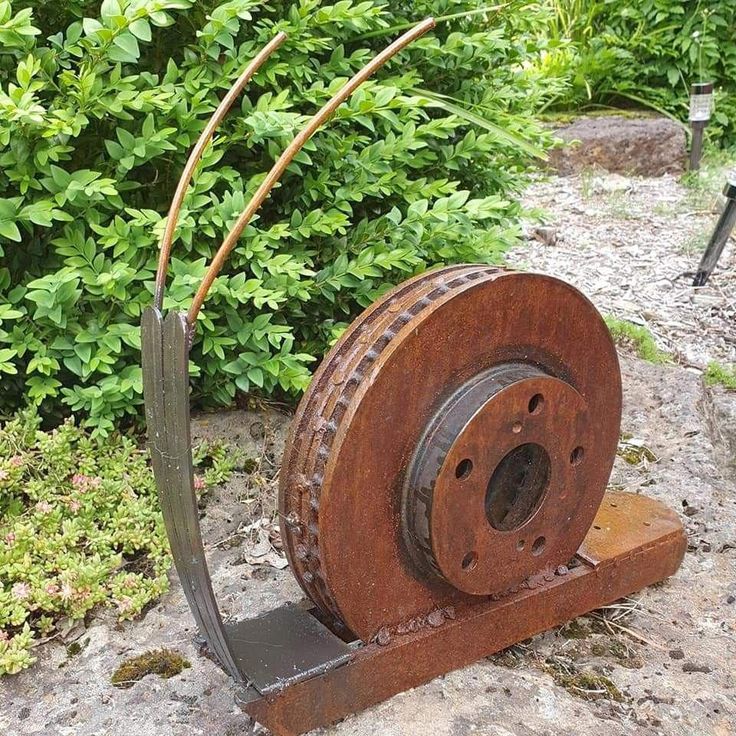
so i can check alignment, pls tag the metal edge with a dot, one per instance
(178, 497)
(153, 389)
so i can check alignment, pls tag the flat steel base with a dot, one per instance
(283, 646)
(634, 542)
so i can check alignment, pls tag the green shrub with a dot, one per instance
(96, 121)
(645, 52)
(80, 527)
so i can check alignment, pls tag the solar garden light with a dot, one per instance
(701, 108)
(720, 236)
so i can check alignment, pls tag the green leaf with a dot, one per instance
(91, 26)
(446, 103)
(141, 29)
(255, 375)
(10, 231)
(110, 9)
(127, 48)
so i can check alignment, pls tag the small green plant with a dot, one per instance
(717, 374)
(695, 243)
(586, 182)
(664, 209)
(637, 339)
(620, 206)
(80, 527)
(703, 187)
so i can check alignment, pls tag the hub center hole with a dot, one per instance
(517, 486)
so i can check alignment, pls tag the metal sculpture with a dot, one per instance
(442, 493)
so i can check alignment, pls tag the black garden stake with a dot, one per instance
(720, 236)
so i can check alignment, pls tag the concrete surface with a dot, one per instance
(670, 651)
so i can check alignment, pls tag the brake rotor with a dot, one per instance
(456, 441)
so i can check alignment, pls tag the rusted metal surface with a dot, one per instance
(626, 521)
(194, 158)
(316, 420)
(347, 512)
(495, 489)
(648, 552)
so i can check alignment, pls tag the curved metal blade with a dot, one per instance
(166, 393)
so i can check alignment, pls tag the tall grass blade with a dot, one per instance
(449, 104)
(392, 30)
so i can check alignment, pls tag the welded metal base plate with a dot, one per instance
(283, 647)
(634, 542)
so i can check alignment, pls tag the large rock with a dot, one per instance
(723, 425)
(671, 656)
(632, 146)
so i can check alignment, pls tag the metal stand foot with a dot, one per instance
(634, 542)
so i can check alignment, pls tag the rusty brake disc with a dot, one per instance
(456, 441)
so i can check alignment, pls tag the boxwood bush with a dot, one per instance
(100, 104)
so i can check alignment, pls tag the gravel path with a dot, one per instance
(626, 243)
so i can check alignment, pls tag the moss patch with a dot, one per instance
(635, 454)
(583, 684)
(511, 657)
(575, 629)
(721, 375)
(75, 648)
(637, 339)
(616, 650)
(162, 662)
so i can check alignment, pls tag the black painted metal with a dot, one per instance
(696, 144)
(719, 238)
(284, 646)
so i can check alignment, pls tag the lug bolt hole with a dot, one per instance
(538, 547)
(520, 545)
(576, 456)
(470, 561)
(464, 469)
(516, 427)
(536, 403)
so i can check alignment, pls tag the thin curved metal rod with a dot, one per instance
(194, 157)
(287, 156)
